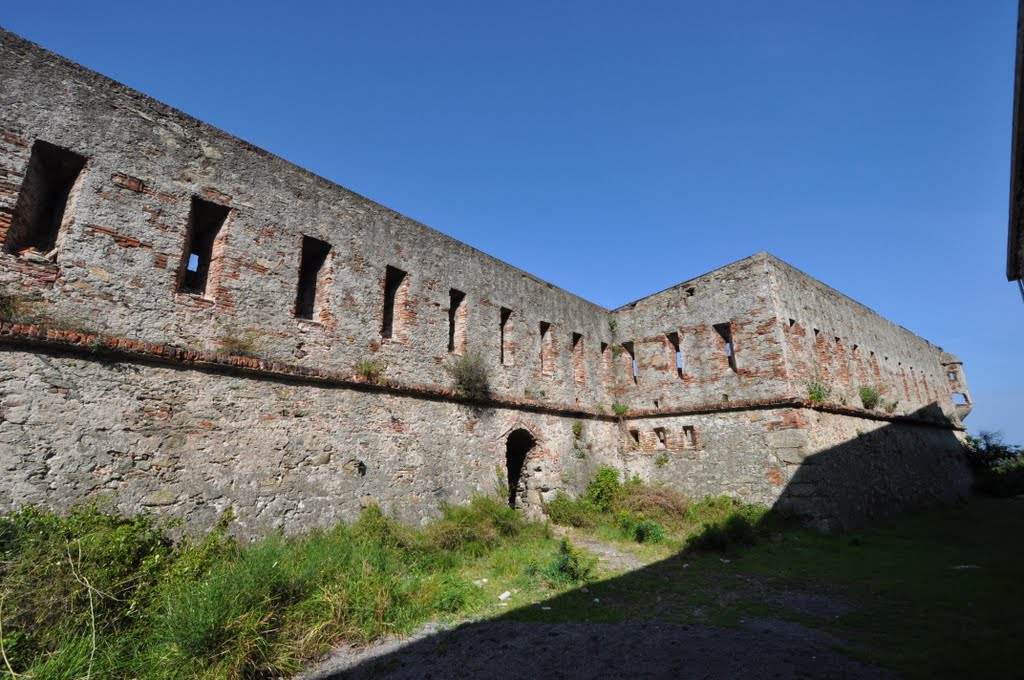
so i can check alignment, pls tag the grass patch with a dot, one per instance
(96, 593)
(933, 594)
(641, 513)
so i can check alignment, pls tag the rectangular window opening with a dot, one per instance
(673, 339)
(960, 399)
(660, 434)
(689, 437)
(635, 436)
(634, 368)
(311, 275)
(456, 321)
(393, 280)
(578, 365)
(505, 315)
(545, 333)
(952, 376)
(205, 221)
(725, 331)
(43, 198)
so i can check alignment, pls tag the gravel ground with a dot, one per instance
(768, 648)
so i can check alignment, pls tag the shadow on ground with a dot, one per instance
(639, 626)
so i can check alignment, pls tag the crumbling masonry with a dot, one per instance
(192, 324)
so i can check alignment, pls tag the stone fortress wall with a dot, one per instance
(200, 309)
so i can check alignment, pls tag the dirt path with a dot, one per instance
(610, 557)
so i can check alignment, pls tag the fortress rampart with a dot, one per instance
(199, 325)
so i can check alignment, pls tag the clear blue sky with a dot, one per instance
(615, 149)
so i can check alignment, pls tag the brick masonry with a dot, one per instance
(117, 386)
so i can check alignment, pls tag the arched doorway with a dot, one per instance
(516, 449)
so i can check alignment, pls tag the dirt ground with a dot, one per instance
(507, 648)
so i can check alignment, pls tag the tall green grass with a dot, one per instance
(95, 593)
(643, 513)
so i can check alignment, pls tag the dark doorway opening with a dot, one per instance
(516, 449)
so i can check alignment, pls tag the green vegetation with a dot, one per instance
(928, 595)
(94, 593)
(998, 467)
(635, 511)
(818, 392)
(370, 370)
(569, 567)
(661, 460)
(869, 396)
(620, 409)
(577, 430)
(469, 374)
(613, 325)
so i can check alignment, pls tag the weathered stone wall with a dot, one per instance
(836, 471)
(835, 340)
(738, 300)
(846, 472)
(281, 453)
(731, 452)
(122, 247)
(115, 385)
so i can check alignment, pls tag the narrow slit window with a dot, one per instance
(635, 437)
(43, 199)
(394, 280)
(205, 221)
(673, 339)
(634, 369)
(952, 376)
(689, 437)
(457, 314)
(545, 339)
(724, 330)
(312, 276)
(659, 432)
(503, 320)
(578, 365)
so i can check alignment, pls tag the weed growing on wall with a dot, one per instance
(869, 396)
(236, 343)
(818, 392)
(370, 370)
(620, 409)
(469, 374)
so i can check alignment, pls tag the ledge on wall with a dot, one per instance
(58, 339)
